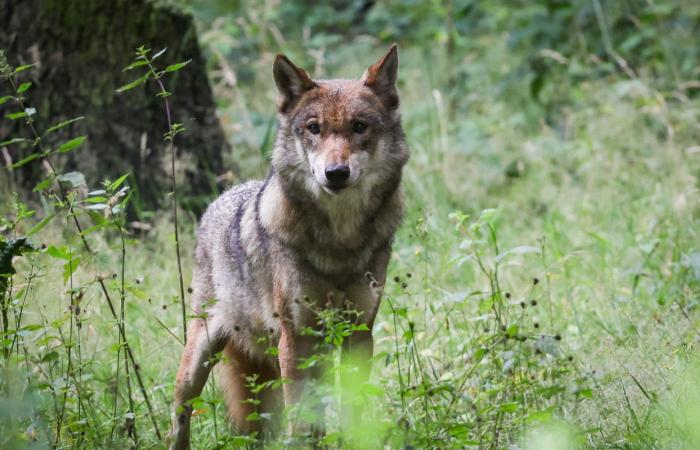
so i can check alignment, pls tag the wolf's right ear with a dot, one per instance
(291, 82)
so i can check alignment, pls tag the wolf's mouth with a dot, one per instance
(334, 189)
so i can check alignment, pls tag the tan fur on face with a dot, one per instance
(263, 246)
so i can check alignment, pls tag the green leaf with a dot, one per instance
(5, 98)
(12, 141)
(509, 407)
(70, 145)
(72, 179)
(178, 66)
(134, 65)
(70, 267)
(23, 68)
(62, 124)
(24, 87)
(58, 252)
(24, 161)
(36, 228)
(17, 115)
(136, 83)
(43, 184)
(118, 182)
(160, 52)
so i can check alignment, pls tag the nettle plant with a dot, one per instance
(146, 62)
(511, 371)
(53, 348)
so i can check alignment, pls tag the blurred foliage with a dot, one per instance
(582, 37)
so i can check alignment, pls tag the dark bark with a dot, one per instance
(80, 47)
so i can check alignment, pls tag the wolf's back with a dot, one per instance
(218, 227)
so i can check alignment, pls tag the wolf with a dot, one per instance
(318, 229)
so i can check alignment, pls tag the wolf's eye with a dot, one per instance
(313, 128)
(359, 127)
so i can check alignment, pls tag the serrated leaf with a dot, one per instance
(73, 179)
(24, 87)
(95, 200)
(25, 160)
(62, 124)
(136, 83)
(176, 67)
(70, 145)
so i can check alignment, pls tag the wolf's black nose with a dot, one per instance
(337, 174)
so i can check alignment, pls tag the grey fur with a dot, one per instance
(287, 231)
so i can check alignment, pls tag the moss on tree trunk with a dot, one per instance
(80, 47)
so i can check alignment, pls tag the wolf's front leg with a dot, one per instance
(195, 365)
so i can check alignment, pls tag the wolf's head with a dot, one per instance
(339, 138)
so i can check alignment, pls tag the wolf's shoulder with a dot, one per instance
(225, 206)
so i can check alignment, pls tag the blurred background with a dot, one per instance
(544, 287)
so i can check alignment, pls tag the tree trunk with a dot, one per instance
(80, 48)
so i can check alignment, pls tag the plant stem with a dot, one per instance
(173, 186)
(88, 250)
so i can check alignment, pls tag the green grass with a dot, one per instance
(554, 264)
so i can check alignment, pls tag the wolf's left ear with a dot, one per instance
(381, 78)
(291, 82)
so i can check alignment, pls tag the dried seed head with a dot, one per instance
(522, 305)
(557, 337)
(409, 275)
(535, 280)
(236, 328)
(190, 290)
(507, 294)
(397, 279)
(275, 314)
(536, 325)
(404, 285)
(533, 302)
